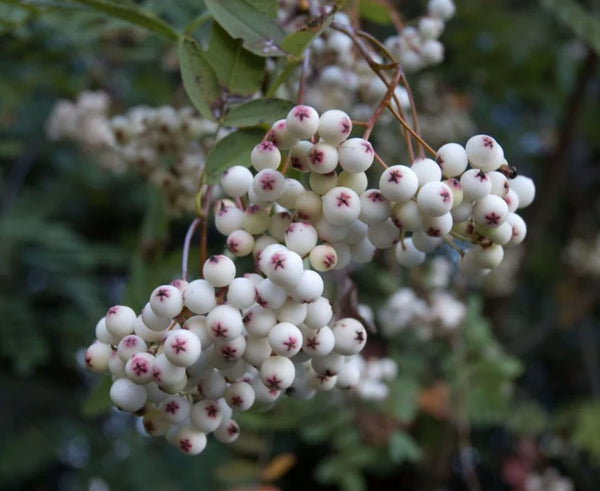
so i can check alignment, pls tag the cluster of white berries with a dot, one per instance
(341, 78)
(201, 350)
(339, 219)
(166, 146)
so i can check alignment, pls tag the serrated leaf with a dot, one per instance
(296, 42)
(257, 112)
(234, 149)
(583, 23)
(374, 12)
(240, 71)
(98, 400)
(199, 79)
(133, 15)
(259, 32)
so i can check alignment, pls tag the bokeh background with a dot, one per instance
(76, 238)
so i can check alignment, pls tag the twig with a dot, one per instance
(416, 136)
(380, 160)
(413, 112)
(186, 247)
(383, 103)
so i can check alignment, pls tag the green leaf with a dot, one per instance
(286, 71)
(269, 7)
(296, 42)
(260, 33)
(257, 112)
(240, 71)
(374, 12)
(403, 447)
(234, 149)
(583, 23)
(98, 401)
(133, 15)
(199, 79)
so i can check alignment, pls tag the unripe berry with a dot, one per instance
(356, 155)
(102, 333)
(484, 153)
(322, 183)
(309, 288)
(155, 423)
(277, 372)
(438, 226)
(299, 156)
(426, 170)
(341, 206)
(182, 347)
(138, 368)
(129, 346)
(256, 219)
(240, 396)
(265, 155)
(519, 229)
(279, 224)
(383, 235)
(334, 126)
(319, 342)
(301, 238)
(268, 185)
(490, 211)
(258, 321)
(227, 432)
(328, 232)
(97, 356)
(166, 301)
(487, 257)
(435, 199)
(293, 189)
(525, 189)
(323, 257)
(241, 293)
(318, 313)
(398, 183)
(350, 336)
(236, 180)
(374, 207)
(457, 191)
(344, 253)
(358, 182)
(424, 242)
(120, 320)
(280, 136)
(476, 185)
(206, 415)
(127, 396)
(285, 339)
(323, 158)
(218, 270)
(302, 121)
(224, 322)
(407, 254)
(406, 216)
(199, 297)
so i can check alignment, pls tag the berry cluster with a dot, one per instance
(166, 146)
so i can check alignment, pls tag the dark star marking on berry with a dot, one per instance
(375, 197)
(312, 342)
(434, 232)
(232, 430)
(492, 218)
(219, 331)
(149, 427)
(179, 345)
(273, 382)
(112, 311)
(290, 344)
(247, 318)
(267, 183)
(233, 246)
(346, 126)
(360, 336)
(301, 113)
(140, 367)
(440, 161)
(329, 260)
(343, 199)
(445, 195)
(172, 407)
(88, 360)
(482, 176)
(278, 261)
(185, 445)
(228, 352)
(367, 146)
(316, 157)
(487, 142)
(214, 259)
(237, 401)
(156, 375)
(130, 341)
(267, 146)
(162, 294)
(395, 176)
(211, 411)
(323, 378)
(295, 162)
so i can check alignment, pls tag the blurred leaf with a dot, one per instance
(284, 74)
(403, 398)
(278, 467)
(234, 149)
(583, 23)
(269, 7)
(258, 112)
(259, 32)
(528, 418)
(296, 42)
(132, 14)
(240, 71)
(98, 400)
(237, 471)
(199, 79)
(403, 448)
(374, 12)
